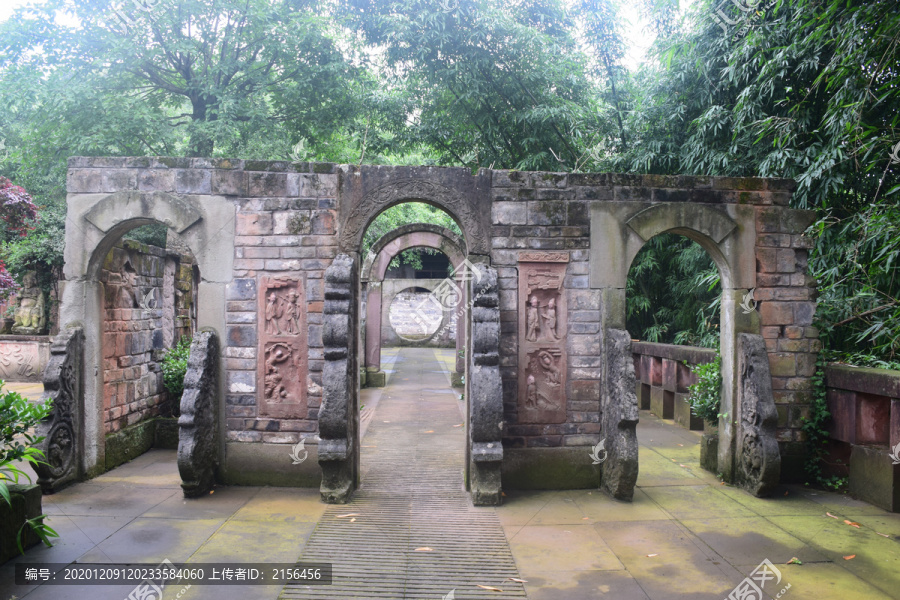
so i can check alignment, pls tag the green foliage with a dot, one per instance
(806, 90)
(673, 293)
(705, 395)
(489, 83)
(174, 366)
(154, 235)
(41, 251)
(815, 426)
(18, 417)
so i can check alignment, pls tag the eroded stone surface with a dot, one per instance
(62, 429)
(759, 462)
(198, 435)
(619, 417)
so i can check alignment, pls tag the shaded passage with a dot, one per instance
(411, 531)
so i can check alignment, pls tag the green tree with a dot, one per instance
(490, 84)
(806, 90)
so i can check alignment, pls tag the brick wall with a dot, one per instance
(785, 295)
(133, 336)
(285, 226)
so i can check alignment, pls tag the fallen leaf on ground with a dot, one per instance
(348, 515)
(517, 580)
(491, 588)
(851, 557)
(652, 555)
(795, 561)
(460, 425)
(423, 549)
(831, 515)
(430, 431)
(884, 535)
(585, 518)
(685, 466)
(681, 444)
(852, 524)
(385, 421)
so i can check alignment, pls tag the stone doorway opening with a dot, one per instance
(412, 295)
(673, 279)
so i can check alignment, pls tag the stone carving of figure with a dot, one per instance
(291, 324)
(274, 382)
(531, 393)
(532, 320)
(127, 297)
(274, 312)
(550, 369)
(548, 316)
(29, 315)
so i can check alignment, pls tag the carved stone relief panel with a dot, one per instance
(542, 332)
(282, 360)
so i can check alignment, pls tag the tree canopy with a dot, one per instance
(805, 89)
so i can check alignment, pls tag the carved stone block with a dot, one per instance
(198, 439)
(282, 363)
(61, 429)
(542, 331)
(759, 460)
(619, 417)
(339, 413)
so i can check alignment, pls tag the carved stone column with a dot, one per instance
(619, 417)
(63, 436)
(485, 391)
(339, 413)
(198, 430)
(758, 461)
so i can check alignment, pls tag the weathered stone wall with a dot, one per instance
(288, 220)
(785, 294)
(865, 432)
(148, 292)
(285, 226)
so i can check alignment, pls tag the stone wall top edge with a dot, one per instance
(40, 339)
(878, 382)
(690, 354)
(595, 179)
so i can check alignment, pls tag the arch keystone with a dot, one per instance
(174, 212)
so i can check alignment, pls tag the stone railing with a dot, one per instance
(865, 430)
(663, 375)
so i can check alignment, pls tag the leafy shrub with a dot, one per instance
(705, 394)
(174, 366)
(18, 417)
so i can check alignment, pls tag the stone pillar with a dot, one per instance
(484, 390)
(62, 431)
(339, 413)
(619, 417)
(198, 431)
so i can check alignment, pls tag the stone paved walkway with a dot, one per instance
(684, 536)
(410, 531)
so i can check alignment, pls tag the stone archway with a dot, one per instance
(373, 272)
(467, 200)
(204, 223)
(748, 452)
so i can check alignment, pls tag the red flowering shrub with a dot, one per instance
(18, 213)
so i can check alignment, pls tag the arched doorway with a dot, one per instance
(339, 414)
(374, 269)
(747, 451)
(205, 226)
